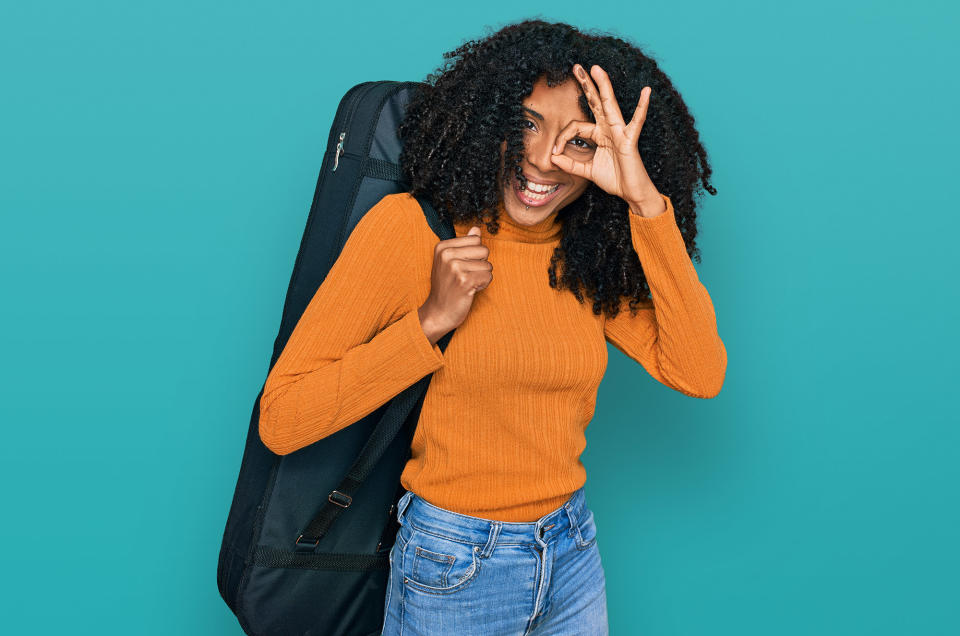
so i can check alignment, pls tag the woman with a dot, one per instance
(522, 145)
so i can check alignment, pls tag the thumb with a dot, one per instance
(475, 227)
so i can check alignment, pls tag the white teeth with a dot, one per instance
(536, 187)
(538, 196)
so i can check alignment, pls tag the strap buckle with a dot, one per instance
(347, 497)
(315, 543)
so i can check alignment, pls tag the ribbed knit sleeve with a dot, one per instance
(343, 359)
(675, 336)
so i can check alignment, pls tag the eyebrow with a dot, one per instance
(540, 117)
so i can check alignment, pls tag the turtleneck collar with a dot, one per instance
(546, 231)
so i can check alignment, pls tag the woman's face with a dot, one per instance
(547, 110)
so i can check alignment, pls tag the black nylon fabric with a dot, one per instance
(334, 582)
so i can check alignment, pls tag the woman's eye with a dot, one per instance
(584, 145)
(527, 121)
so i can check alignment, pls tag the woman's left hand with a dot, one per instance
(616, 166)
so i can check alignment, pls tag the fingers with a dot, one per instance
(609, 101)
(578, 168)
(583, 129)
(640, 114)
(600, 96)
(590, 92)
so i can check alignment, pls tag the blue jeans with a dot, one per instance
(455, 574)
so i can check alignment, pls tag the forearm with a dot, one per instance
(648, 206)
(677, 340)
(305, 401)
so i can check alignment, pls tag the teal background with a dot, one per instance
(158, 161)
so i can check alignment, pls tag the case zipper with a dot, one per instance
(336, 157)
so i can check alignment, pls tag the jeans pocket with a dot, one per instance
(439, 565)
(586, 534)
(403, 537)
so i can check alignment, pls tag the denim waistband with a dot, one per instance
(428, 517)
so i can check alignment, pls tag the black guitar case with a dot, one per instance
(306, 547)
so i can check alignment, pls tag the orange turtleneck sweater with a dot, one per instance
(502, 426)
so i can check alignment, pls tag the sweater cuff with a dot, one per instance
(657, 229)
(655, 220)
(430, 354)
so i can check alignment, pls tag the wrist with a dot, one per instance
(648, 207)
(429, 326)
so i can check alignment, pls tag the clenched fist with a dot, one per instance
(460, 270)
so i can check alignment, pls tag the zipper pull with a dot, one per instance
(336, 157)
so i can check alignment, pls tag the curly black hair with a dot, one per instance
(456, 121)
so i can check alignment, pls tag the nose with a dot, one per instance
(539, 152)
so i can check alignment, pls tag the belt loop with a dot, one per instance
(571, 515)
(402, 505)
(491, 539)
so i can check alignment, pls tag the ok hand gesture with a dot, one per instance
(616, 166)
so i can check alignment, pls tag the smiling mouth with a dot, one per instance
(535, 194)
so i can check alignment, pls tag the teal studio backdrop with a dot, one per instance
(158, 161)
